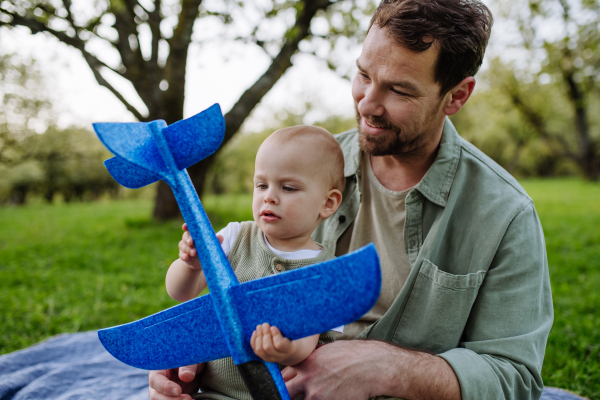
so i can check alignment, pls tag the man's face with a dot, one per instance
(289, 189)
(398, 107)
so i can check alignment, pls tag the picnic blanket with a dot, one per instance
(76, 366)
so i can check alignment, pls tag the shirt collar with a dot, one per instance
(352, 159)
(436, 183)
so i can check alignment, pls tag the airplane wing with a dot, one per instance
(186, 334)
(300, 303)
(312, 299)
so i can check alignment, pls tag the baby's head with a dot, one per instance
(298, 181)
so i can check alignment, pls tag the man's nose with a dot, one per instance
(370, 103)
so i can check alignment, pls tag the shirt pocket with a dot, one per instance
(437, 309)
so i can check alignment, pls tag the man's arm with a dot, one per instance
(501, 351)
(363, 369)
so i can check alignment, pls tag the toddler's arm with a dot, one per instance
(269, 344)
(185, 278)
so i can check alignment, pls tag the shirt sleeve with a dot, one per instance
(501, 351)
(229, 234)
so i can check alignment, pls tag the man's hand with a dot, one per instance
(175, 384)
(362, 369)
(339, 370)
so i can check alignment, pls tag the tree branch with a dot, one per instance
(558, 144)
(154, 22)
(104, 82)
(132, 58)
(67, 6)
(174, 71)
(94, 63)
(301, 30)
(75, 42)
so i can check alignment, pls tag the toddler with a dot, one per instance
(298, 182)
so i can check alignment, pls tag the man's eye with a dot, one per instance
(399, 93)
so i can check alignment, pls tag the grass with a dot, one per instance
(570, 215)
(82, 266)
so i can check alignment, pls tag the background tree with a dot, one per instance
(556, 83)
(152, 40)
(24, 108)
(35, 155)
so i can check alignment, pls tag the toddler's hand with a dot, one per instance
(269, 344)
(187, 249)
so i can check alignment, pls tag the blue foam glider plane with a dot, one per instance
(300, 303)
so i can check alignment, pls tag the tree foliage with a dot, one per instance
(35, 155)
(555, 86)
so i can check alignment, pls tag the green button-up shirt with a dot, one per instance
(478, 293)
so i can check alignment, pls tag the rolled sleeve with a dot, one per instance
(502, 349)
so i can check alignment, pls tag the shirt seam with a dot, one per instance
(518, 212)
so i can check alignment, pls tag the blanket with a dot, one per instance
(76, 366)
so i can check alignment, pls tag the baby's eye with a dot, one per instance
(262, 186)
(289, 189)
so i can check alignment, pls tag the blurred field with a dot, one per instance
(82, 266)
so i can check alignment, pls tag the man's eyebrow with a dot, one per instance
(403, 84)
(358, 65)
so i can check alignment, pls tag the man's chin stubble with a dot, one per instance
(379, 146)
(382, 146)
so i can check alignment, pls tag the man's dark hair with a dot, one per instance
(460, 28)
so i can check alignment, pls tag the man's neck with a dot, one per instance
(401, 172)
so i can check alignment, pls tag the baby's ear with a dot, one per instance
(333, 201)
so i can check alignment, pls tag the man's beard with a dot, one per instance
(396, 144)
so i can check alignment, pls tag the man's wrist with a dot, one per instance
(387, 372)
(406, 373)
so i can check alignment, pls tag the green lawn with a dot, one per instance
(82, 266)
(570, 215)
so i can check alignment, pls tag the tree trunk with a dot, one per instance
(165, 205)
(587, 157)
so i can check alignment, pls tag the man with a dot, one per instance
(466, 308)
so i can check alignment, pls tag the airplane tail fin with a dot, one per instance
(138, 160)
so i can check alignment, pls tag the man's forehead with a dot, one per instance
(381, 51)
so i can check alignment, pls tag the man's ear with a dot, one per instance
(459, 95)
(333, 201)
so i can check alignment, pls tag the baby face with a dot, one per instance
(290, 190)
